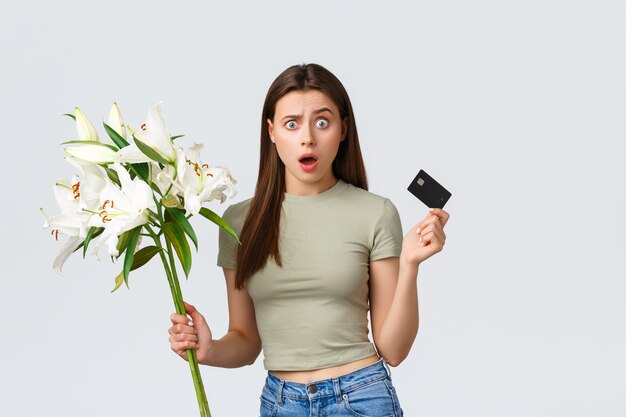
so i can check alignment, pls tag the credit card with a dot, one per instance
(429, 191)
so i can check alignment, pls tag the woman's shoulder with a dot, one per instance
(364, 198)
(237, 210)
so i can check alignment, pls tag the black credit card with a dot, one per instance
(429, 191)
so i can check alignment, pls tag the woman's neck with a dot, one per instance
(296, 186)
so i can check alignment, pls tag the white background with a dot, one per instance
(516, 107)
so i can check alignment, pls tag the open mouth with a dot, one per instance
(308, 160)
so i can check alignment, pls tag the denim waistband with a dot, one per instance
(328, 387)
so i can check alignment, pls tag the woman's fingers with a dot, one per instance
(180, 319)
(429, 219)
(194, 333)
(183, 335)
(441, 215)
(432, 229)
(181, 324)
(183, 341)
(432, 239)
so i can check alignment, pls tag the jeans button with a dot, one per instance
(312, 388)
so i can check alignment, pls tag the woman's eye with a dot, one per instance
(322, 123)
(291, 124)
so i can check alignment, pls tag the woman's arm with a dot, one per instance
(241, 345)
(393, 307)
(393, 288)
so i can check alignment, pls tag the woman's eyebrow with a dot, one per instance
(297, 116)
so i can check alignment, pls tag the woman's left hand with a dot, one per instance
(425, 238)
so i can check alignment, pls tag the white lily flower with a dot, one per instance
(121, 209)
(200, 182)
(210, 183)
(162, 177)
(85, 129)
(115, 121)
(94, 153)
(94, 180)
(155, 135)
(72, 220)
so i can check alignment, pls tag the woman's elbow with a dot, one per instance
(393, 362)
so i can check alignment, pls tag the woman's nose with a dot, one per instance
(307, 136)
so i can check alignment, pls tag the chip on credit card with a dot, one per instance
(429, 191)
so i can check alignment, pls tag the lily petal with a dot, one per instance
(154, 134)
(115, 121)
(131, 154)
(97, 154)
(64, 195)
(85, 129)
(69, 248)
(194, 152)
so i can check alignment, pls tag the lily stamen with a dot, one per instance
(104, 205)
(76, 190)
(104, 214)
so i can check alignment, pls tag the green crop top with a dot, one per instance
(312, 312)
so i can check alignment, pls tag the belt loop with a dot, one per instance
(337, 389)
(387, 368)
(279, 392)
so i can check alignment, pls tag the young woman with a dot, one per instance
(318, 251)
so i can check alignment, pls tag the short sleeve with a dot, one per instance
(387, 239)
(227, 252)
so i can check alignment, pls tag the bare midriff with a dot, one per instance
(325, 373)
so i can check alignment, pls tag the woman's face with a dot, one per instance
(307, 122)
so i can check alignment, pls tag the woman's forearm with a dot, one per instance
(399, 329)
(234, 350)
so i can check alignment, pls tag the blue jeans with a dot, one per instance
(366, 392)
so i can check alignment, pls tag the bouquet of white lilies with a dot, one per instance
(125, 191)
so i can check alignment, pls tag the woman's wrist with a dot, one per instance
(406, 263)
(203, 353)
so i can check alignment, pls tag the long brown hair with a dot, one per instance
(260, 231)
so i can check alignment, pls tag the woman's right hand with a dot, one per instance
(194, 334)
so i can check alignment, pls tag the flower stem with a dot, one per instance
(191, 354)
(172, 278)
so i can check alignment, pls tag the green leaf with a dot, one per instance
(90, 142)
(122, 242)
(115, 137)
(209, 214)
(182, 221)
(112, 174)
(176, 137)
(171, 201)
(143, 255)
(142, 170)
(93, 232)
(155, 188)
(70, 115)
(176, 236)
(149, 152)
(118, 281)
(167, 216)
(130, 251)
